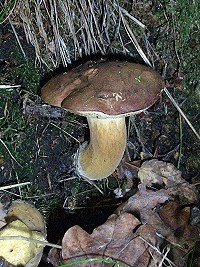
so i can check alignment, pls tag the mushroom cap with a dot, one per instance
(23, 219)
(109, 88)
(19, 252)
(28, 214)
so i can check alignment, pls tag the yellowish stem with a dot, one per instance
(99, 158)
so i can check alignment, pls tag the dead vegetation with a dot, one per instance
(64, 31)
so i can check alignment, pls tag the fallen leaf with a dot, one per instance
(159, 172)
(174, 215)
(115, 239)
(136, 233)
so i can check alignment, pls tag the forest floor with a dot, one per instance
(39, 142)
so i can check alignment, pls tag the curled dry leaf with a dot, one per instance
(23, 220)
(169, 218)
(116, 239)
(159, 172)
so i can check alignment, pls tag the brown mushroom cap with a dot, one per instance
(23, 220)
(59, 87)
(109, 87)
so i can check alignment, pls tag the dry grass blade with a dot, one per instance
(65, 132)
(65, 30)
(17, 38)
(13, 186)
(181, 112)
(4, 86)
(64, 52)
(93, 183)
(10, 153)
(69, 16)
(158, 251)
(96, 25)
(44, 243)
(134, 40)
(132, 18)
(10, 6)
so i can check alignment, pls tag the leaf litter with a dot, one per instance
(152, 228)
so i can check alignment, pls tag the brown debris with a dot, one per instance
(159, 172)
(148, 222)
(114, 239)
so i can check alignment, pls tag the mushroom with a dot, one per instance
(23, 220)
(105, 94)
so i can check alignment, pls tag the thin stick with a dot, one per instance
(45, 243)
(13, 186)
(181, 112)
(3, 86)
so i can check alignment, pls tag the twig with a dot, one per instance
(44, 243)
(4, 86)
(181, 112)
(13, 186)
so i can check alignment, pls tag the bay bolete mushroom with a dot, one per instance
(105, 94)
(23, 220)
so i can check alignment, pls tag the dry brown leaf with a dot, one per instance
(174, 215)
(146, 199)
(115, 239)
(173, 222)
(159, 172)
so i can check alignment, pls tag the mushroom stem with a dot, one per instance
(100, 157)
